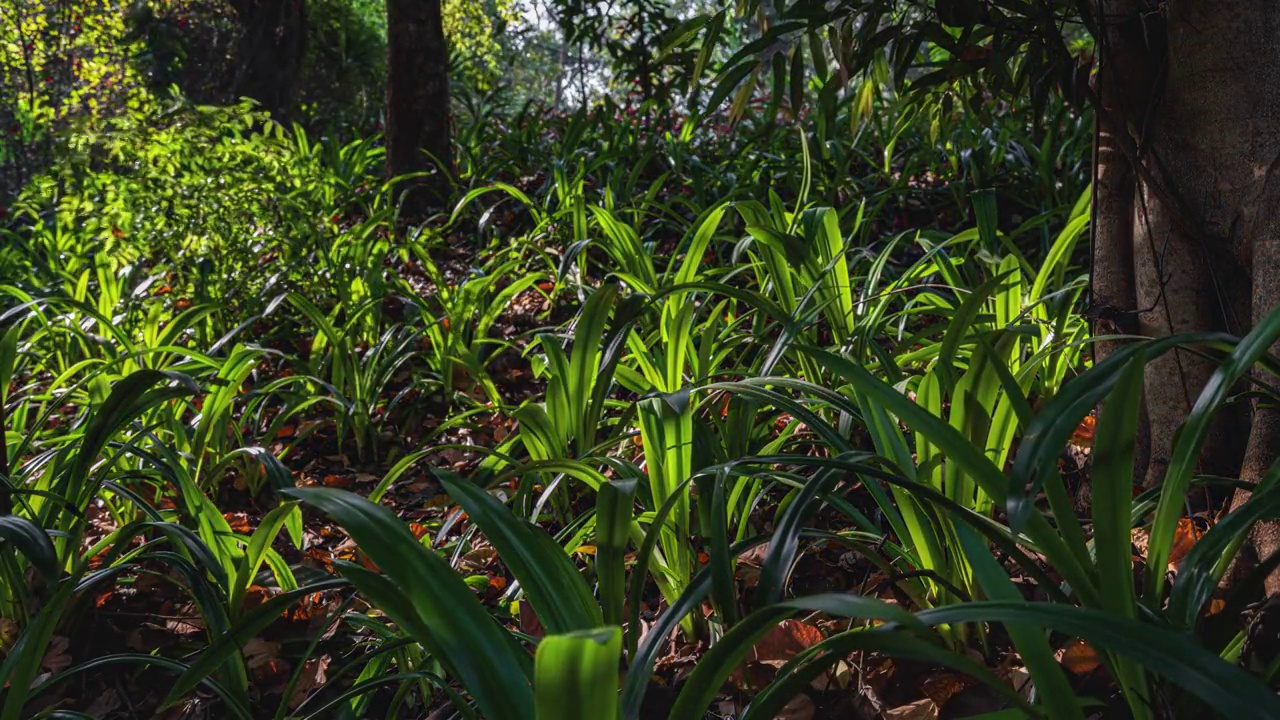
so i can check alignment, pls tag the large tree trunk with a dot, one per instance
(418, 138)
(269, 52)
(1188, 231)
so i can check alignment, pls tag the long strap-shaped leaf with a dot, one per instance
(555, 588)
(1190, 439)
(487, 660)
(576, 675)
(1229, 690)
(976, 464)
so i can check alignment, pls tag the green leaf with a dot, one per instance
(614, 511)
(248, 627)
(1053, 689)
(1228, 689)
(576, 675)
(1190, 438)
(487, 660)
(34, 543)
(713, 669)
(555, 588)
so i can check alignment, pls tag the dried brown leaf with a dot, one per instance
(58, 657)
(925, 709)
(1079, 657)
(312, 677)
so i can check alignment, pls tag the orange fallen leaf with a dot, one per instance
(1079, 657)
(311, 606)
(779, 645)
(1184, 538)
(238, 522)
(1082, 436)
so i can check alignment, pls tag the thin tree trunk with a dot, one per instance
(1114, 300)
(270, 52)
(418, 134)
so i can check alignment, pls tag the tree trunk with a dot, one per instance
(418, 138)
(1188, 225)
(269, 52)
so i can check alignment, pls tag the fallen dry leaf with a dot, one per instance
(58, 657)
(1082, 436)
(105, 703)
(259, 653)
(925, 709)
(1079, 657)
(783, 642)
(941, 687)
(312, 677)
(801, 707)
(778, 646)
(184, 621)
(1184, 538)
(337, 481)
(478, 559)
(529, 622)
(238, 522)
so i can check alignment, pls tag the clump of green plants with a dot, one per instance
(679, 409)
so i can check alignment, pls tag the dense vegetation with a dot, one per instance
(777, 410)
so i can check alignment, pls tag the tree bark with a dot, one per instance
(270, 52)
(1200, 183)
(418, 134)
